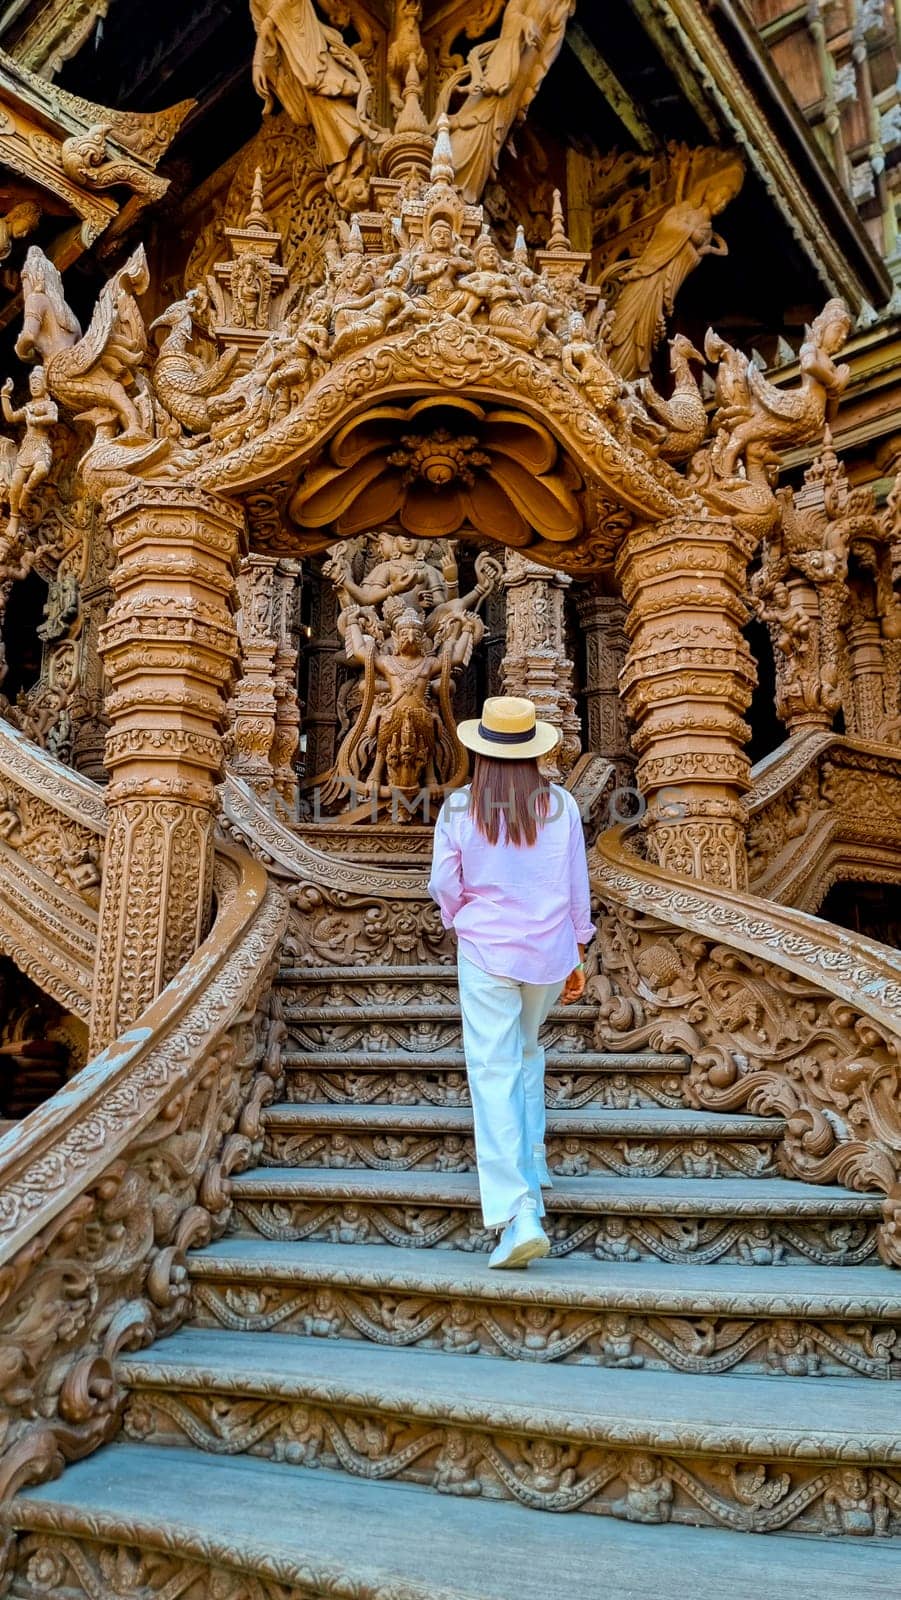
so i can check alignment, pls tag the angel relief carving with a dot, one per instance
(498, 84)
(405, 624)
(650, 283)
(319, 80)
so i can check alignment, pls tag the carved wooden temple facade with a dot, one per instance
(361, 358)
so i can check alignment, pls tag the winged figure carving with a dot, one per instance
(87, 373)
(755, 418)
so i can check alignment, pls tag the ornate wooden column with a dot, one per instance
(170, 650)
(265, 731)
(688, 679)
(253, 706)
(602, 618)
(324, 656)
(286, 627)
(536, 663)
(867, 713)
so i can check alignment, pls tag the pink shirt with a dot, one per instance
(519, 911)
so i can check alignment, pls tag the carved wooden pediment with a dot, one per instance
(489, 440)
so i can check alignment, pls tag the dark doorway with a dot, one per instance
(767, 731)
(24, 614)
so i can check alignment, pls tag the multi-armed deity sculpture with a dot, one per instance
(405, 624)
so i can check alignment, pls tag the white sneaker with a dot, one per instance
(523, 1240)
(539, 1162)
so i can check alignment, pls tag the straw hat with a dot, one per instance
(508, 730)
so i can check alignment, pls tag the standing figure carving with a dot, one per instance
(651, 282)
(30, 464)
(405, 624)
(320, 82)
(499, 82)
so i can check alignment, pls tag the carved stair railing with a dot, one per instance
(52, 822)
(824, 808)
(782, 1013)
(105, 1186)
(343, 911)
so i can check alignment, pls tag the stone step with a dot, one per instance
(640, 1144)
(678, 1220)
(709, 1319)
(454, 1060)
(650, 1446)
(329, 1536)
(619, 1080)
(431, 1010)
(376, 1029)
(364, 976)
(415, 1025)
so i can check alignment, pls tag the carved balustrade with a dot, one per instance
(107, 1186)
(823, 808)
(780, 1017)
(52, 824)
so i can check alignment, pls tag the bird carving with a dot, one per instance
(684, 414)
(182, 380)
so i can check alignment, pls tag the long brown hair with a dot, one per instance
(514, 790)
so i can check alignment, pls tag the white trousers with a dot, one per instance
(505, 1068)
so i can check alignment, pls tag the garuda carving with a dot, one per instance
(88, 374)
(406, 625)
(755, 420)
(182, 380)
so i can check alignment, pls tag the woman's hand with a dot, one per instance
(574, 987)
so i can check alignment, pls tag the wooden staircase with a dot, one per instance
(705, 1358)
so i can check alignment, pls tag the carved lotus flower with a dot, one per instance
(438, 465)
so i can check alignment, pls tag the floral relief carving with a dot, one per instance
(89, 1569)
(802, 1034)
(98, 1210)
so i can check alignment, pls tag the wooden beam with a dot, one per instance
(604, 78)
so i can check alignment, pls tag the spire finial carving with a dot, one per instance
(442, 154)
